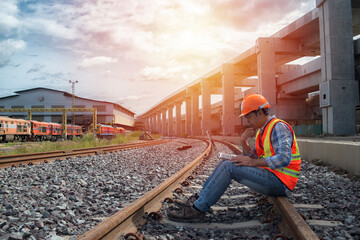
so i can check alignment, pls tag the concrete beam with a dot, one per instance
(245, 82)
(304, 84)
(300, 71)
(286, 68)
(247, 57)
(213, 83)
(250, 91)
(293, 47)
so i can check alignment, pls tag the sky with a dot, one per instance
(135, 52)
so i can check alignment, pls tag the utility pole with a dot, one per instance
(73, 99)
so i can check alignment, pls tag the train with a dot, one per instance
(31, 130)
(107, 131)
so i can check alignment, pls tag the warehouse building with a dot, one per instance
(107, 112)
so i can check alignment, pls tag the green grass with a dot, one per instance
(87, 141)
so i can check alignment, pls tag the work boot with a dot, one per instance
(186, 202)
(186, 214)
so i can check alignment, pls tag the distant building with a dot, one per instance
(107, 112)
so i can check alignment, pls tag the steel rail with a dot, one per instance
(19, 158)
(292, 223)
(62, 151)
(127, 219)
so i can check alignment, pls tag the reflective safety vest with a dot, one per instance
(288, 175)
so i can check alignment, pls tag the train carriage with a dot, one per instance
(119, 131)
(40, 130)
(78, 131)
(73, 131)
(105, 131)
(56, 131)
(14, 129)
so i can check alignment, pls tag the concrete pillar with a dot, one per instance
(195, 120)
(228, 107)
(188, 116)
(338, 90)
(178, 119)
(146, 123)
(170, 121)
(153, 123)
(265, 50)
(159, 123)
(150, 123)
(206, 106)
(164, 128)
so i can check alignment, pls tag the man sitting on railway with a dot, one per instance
(271, 167)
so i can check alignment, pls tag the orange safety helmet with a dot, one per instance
(253, 102)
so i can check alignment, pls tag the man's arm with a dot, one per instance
(250, 162)
(250, 159)
(281, 140)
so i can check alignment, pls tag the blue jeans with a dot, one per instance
(258, 179)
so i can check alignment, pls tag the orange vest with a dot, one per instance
(288, 175)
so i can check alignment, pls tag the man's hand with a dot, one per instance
(248, 133)
(241, 160)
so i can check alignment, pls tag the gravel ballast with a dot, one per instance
(69, 197)
(64, 199)
(338, 194)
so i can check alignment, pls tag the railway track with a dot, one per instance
(128, 223)
(33, 158)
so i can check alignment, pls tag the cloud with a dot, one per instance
(14, 65)
(136, 97)
(136, 103)
(250, 15)
(51, 79)
(9, 22)
(8, 48)
(160, 43)
(96, 61)
(35, 68)
(50, 28)
(159, 73)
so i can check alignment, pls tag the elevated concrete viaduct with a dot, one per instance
(327, 32)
